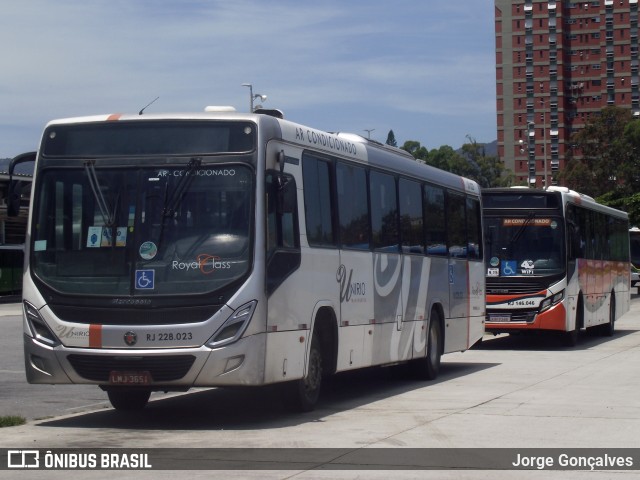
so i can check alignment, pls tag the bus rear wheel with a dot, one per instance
(609, 328)
(302, 395)
(427, 368)
(128, 400)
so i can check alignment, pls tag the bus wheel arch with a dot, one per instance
(302, 395)
(570, 337)
(325, 327)
(428, 367)
(608, 329)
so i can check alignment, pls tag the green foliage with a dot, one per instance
(605, 161)
(391, 139)
(601, 159)
(414, 148)
(630, 204)
(12, 421)
(472, 162)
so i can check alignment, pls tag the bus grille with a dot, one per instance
(517, 316)
(514, 288)
(162, 369)
(134, 316)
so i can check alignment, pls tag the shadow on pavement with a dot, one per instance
(251, 408)
(545, 341)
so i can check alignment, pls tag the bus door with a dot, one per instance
(457, 324)
(354, 274)
(390, 273)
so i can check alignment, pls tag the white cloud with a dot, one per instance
(326, 62)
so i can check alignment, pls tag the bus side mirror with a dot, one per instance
(281, 160)
(15, 186)
(13, 198)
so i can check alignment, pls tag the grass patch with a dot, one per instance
(12, 421)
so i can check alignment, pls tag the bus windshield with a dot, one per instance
(100, 229)
(525, 245)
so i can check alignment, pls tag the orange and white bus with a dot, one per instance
(556, 260)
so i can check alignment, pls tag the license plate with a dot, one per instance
(500, 318)
(129, 378)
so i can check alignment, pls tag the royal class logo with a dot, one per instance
(207, 264)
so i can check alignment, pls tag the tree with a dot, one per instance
(443, 158)
(391, 139)
(630, 171)
(473, 163)
(414, 148)
(485, 169)
(601, 158)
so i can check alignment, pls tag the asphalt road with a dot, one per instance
(511, 392)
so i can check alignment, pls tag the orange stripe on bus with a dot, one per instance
(95, 336)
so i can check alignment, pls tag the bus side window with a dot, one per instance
(318, 201)
(283, 245)
(353, 206)
(456, 225)
(434, 220)
(474, 229)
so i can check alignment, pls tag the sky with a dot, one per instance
(424, 69)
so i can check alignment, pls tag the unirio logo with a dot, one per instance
(349, 289)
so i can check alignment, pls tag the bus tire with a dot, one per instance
(570, 339)
(608, 329)
(428, 367)
(128, 400)
(302, 395)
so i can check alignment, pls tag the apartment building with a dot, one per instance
(558, 63)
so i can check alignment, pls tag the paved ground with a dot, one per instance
(511, 392)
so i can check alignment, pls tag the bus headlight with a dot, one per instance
(234, 327)
(39, 328)
(551, 301)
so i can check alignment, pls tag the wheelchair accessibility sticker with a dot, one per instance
(145, 279)
(509, 268)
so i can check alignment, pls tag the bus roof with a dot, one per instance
(567, 195)
(346, 145)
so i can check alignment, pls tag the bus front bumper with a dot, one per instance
(555, 318)
(240, 363)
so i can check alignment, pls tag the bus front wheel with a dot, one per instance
(570, 338)
(302, 395)
(128, 400)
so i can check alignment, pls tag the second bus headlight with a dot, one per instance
(233, 328)
(551, 301)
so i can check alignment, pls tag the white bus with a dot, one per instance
(216, 249)
(556, 261)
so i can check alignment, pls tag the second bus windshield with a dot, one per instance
(524, 246)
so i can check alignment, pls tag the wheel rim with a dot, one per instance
(313, 378)
(434, 344)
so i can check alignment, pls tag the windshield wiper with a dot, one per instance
(108, 215)
(521, 230)
(171, 204)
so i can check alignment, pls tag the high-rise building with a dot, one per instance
(559, 63)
